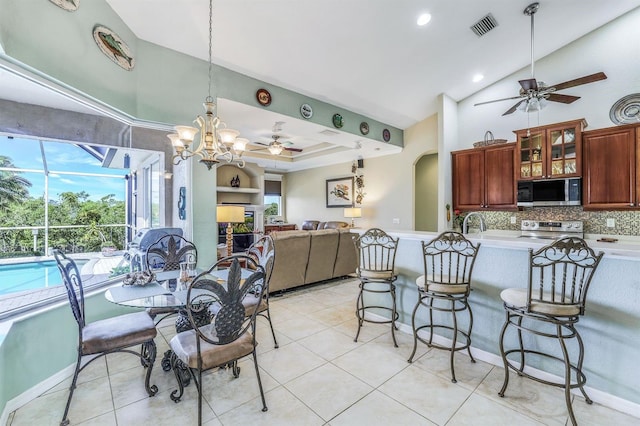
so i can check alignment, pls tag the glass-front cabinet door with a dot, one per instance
(532, 152)
(550, 152)
(563, 152)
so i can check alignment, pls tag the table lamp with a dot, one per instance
(229, 215)
(352, 212)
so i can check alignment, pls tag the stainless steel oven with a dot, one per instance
(551, 230)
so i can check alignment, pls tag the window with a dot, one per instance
(273, 198)
(55, 195)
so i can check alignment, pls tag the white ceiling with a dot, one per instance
(367, 56)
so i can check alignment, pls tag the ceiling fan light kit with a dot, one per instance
(535, 95)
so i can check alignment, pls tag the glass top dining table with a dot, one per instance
(167, 291)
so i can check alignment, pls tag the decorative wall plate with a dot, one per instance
(306, 111)
(68, 5)
(338, 121)
(386, 135)
(264, 97)
(626, 110)
(364, 128)
(113, 46)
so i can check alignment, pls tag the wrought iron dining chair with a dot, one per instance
(550, 306)
(230, 336)
(102, 337)
(167, 254)
(376, 263)
(445, 287)
(263, 252)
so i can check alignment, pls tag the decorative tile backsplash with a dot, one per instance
(595, 222)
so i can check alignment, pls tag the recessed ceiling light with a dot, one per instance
(477, 78)
(424, 19)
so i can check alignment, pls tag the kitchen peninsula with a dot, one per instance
(610, 328)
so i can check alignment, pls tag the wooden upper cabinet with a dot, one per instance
(611, 162)
(550, 152)
(500, 177)
(468, 179)
(484, 178)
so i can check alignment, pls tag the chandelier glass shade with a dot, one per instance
(216, 143)
(275, 148)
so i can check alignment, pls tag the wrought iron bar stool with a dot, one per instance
(445, 287)
(376, 262)
(550, 307)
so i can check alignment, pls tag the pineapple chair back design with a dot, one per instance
(102, 337)
(444, 289)
(263, 252)
(549, 308)
(166, 254)
(230, 336)
(376, 271)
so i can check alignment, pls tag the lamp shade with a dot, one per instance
(353, 212)
(230, 214)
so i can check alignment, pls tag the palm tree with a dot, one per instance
(13, 188)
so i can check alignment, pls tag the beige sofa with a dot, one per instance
(304, 257)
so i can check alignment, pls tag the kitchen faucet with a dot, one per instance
(465, 226)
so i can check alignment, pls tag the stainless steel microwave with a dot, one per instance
(550, 192)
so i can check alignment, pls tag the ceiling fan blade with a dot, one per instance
(293, 149)
(260, 143)
(530, 84)
(582, 80)
(497, 100)
(513, 108)
(558, 97)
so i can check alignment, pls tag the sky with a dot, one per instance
(62, 157)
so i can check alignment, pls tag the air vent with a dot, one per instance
(484, 25)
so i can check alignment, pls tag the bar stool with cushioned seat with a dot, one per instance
(550, 307)
(445, 287)
(376, 262)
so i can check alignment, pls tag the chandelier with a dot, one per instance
(217, 142)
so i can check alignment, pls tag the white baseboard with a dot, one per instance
(34, 392)
(598, 396)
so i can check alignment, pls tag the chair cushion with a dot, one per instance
(440, 287)
(184, 346)
(117, 332)
(517, 297)
(375, 275)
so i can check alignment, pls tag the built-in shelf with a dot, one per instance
(237, 190)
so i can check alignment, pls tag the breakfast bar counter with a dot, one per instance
(610, 329)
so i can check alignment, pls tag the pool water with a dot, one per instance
(30, 276)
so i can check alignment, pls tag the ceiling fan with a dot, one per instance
(276, 147)
(533, 93)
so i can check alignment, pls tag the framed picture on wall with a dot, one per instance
(340, 192)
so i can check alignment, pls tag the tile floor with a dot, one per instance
(318, 376)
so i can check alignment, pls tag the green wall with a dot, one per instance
(426, 181)
(39, 346)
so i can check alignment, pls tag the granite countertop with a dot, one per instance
(626, 248)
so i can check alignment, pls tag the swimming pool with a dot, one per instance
(30, 276)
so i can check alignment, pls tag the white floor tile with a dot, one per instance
(318, 376)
